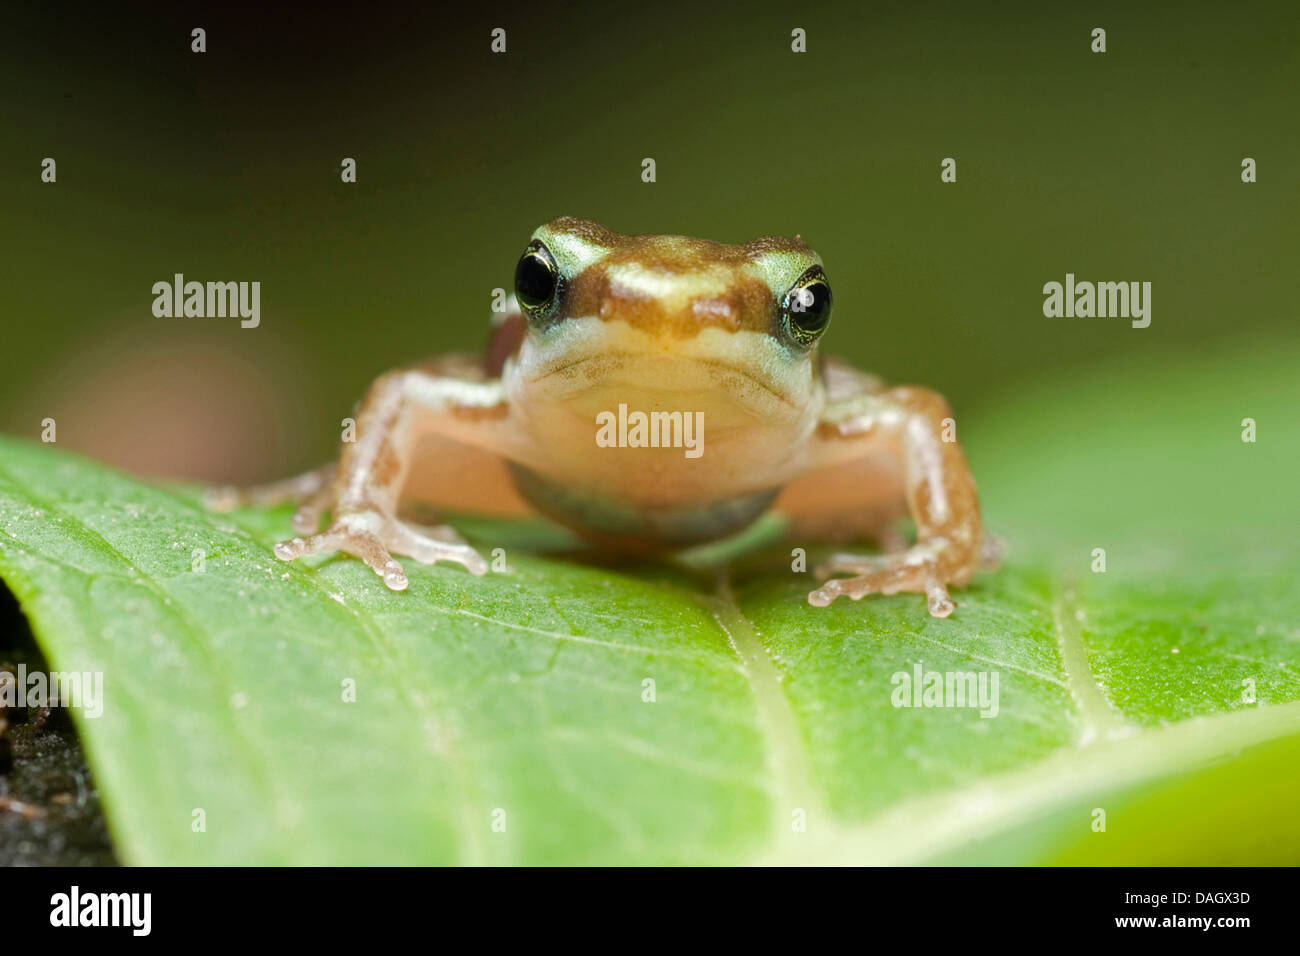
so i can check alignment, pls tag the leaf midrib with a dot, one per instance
(1099, 717)
(786, 760)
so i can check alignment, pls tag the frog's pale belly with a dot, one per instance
(619, 525)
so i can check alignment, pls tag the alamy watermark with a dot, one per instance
(1103, 300)
(132, 911)
(922, 688)
(208, 300)
(626, 429)
(81, 689)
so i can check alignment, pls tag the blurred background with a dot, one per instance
(225, 165)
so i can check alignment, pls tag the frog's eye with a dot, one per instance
(537, 281)
(806, 308)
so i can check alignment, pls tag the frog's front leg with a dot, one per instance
(907, 426)
(367, 483)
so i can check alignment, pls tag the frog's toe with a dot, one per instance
(938, 601)
(291, 549)
(307, 518)
(374, 539)
(438, 532)
(305, 487)
(441, 543)
(352, 539)
(362, 543)
(224, 498)
(915, 571)
(853, 564)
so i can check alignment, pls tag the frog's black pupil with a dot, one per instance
(535, 279)
(810, 306)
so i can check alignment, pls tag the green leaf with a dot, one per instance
(521, 697)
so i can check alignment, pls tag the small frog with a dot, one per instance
(717, 348)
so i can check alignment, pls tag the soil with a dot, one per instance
(49, 808)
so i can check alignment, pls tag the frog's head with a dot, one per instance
(611, 316)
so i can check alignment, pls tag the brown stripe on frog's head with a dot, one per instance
(667, 286)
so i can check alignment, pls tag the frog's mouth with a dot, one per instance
(665, 375)
(608, 361)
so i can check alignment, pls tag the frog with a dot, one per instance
(680, 330)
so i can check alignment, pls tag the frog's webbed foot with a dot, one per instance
(927, 568)
(374, 537)
(923, 568)
(312, 491)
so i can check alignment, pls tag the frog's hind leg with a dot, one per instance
(312, 491)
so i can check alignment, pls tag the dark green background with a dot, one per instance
(225, 166)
